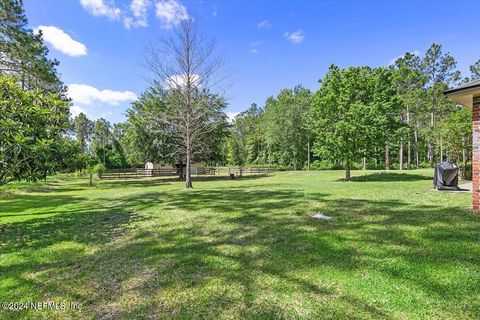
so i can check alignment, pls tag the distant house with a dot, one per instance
(177, 168)
(468, 94)
(151, 165)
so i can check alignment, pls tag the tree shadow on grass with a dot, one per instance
(258, 243)
(154, 181)
(16, 206)
(252, 253)
(389, 177)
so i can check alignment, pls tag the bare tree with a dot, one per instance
(186, 69)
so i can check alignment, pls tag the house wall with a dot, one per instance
(476, 153)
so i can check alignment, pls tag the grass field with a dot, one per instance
(241, 249)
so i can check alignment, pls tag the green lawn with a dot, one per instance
(242, 249)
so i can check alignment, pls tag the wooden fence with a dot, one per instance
(137, 173)
(143, 173)
(242, 171)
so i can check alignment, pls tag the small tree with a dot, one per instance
(97, 169)
(186, 70)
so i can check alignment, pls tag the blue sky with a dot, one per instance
(267, 45)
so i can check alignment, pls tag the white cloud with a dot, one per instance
(253, 47)
(102, 8)
(170, 13)
(62, 41)
(76, 110)
(139, 12)
(231, 115)
(265, 24)
(392, 61)
(178, 81)
(295, 37)
(85, 94)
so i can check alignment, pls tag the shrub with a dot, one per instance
(465, 170)
(99, 168)
(322, 165)
(424, 165)
(394, 166)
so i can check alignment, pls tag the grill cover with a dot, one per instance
(446, 176)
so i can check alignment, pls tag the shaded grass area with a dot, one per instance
(245, 248)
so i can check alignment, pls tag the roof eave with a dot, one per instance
(464, 95)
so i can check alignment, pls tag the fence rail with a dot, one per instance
(137, 173)
(126, 173)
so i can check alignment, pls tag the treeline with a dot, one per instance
(393, 117)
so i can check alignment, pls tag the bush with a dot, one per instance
(322, 165)
(356, 165)
(465, 170)
(424, 165)
(394, 166)
(99, 168)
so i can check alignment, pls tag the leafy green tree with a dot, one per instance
(144, 139)
(353, 111)
(101, 138)
(456, 129)
(95, 168)
(83, 128)
(247, 142)
(410, 81)
(440, 69)
(32, 124)
(286, 130)
(22, 52)
(475, 70)
(116, 155)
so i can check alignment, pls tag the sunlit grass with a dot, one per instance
(245, 248)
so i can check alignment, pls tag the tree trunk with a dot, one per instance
(400, 151)
(347, 170)
(409, 153)
(180, 172)
(91, 178)
(308, 155)
(441, 149)
(387, 156)
(103, 146)
(431, 148)
(400, 155)
(415, 142)
(364, 163)
(188, 178)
